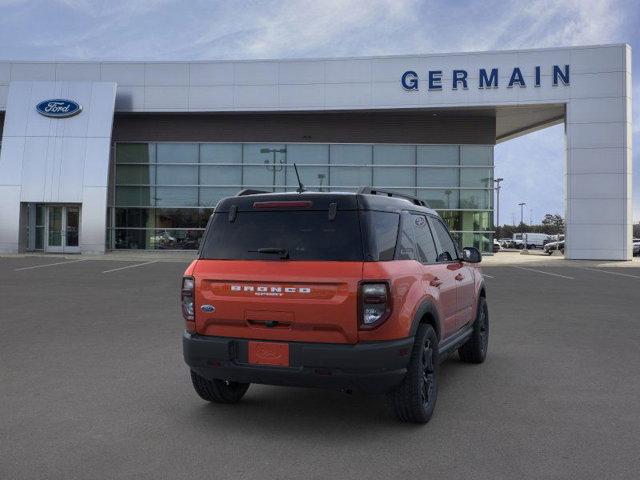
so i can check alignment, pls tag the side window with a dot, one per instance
(383, 232)
(406, 243)
(447, 251)
(424, 241)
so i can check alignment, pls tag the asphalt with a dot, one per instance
(92, 385)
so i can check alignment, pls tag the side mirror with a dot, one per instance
(471, 255)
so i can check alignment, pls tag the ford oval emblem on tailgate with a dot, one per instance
(208, 308)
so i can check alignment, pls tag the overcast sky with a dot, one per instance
(532, 166)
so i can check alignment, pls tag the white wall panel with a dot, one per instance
(49, 156)
(596, 160)
(4, 92)
(341, 95)
(11, 161)
(129, 74)
(301, 96)
(9, 212)
(595, 135)
(5, 73)
(605, 211)
(211, 98)
(166, 74)
(17, 104)
(207, 74)
(130, 99)
(598, 59)
(596, 110)
(96, 171)
(256, 73)
(93, 220)
(77, 72)
(33, 71)
(256, 96)
(101, 107)
(300, 72)
(347, 71)
(72, 161)
(166, 98)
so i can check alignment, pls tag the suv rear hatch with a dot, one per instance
(281, 267)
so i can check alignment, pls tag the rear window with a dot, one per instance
(305, 235)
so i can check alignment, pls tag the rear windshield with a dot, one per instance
(304, 235)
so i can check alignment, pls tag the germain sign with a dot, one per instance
(487, 78)
(58, 108)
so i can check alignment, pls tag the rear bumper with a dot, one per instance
(373, 367)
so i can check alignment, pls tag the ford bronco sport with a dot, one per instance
(355, 291)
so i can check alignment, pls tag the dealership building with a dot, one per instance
(99, 156)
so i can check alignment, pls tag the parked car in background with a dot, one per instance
(553, 246)
(636, 247)
(533, 240)
(506, 242)
(496, 246)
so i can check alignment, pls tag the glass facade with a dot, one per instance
(163, 193)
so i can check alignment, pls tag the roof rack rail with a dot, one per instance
(250, 191)
(379, 191)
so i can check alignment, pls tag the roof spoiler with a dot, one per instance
(387, 193)
(250, 191)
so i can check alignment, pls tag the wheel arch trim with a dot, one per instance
(427, 307)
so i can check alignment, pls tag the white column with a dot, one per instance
(598, 173)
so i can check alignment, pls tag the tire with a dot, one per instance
(218, 391)
(474, 350)
(415, 399)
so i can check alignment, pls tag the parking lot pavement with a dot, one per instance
(93, 386)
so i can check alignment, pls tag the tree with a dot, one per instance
(553, 220)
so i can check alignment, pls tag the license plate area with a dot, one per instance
(269, 353)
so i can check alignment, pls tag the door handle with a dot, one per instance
(436, 282)
(459, 277)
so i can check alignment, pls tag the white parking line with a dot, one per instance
(611, 273)
(130, 266)
(49, 265)
(545, 273)
(487, 276)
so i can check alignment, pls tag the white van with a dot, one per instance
(532, 240)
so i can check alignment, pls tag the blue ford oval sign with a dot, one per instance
(58, 108)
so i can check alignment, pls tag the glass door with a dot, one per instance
(72, 229)
(55, 231)
(62, 229)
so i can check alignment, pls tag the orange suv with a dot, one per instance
(355, 291)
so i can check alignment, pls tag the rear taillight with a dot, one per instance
(375, 304)
(186, 298)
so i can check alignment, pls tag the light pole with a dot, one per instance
(273, 165)
(497, 181)
(524, 240)
(321, 177)
(448, 194)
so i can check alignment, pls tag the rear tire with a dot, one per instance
(218, 391)
(415, 399)
(474, 350)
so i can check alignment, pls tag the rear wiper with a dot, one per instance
(283, 252)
